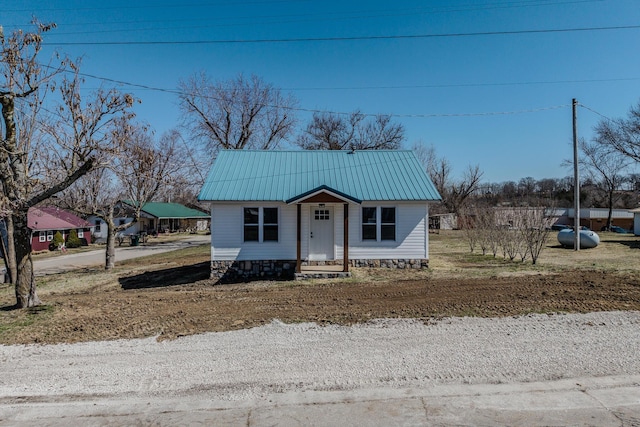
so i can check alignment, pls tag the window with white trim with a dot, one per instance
(260, 224)
(49, 235)
(322, 215)
(42, 236)
(378, 223)
(80, 233)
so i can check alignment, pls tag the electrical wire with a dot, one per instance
(342, 39)
(341, 113)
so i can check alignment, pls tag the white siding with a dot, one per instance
(411, 233)
(227, 228)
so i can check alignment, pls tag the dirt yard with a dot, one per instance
(172, 297)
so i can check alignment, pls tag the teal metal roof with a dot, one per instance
(170, 210)
(378, 175)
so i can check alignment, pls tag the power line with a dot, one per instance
(342, 113)
(300, 18)
(454, 85)
(339, 39)
(595, 112)
(166, 6)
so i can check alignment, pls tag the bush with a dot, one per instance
(73, 241)
(57, 240)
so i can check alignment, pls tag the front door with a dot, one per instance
(321, 234)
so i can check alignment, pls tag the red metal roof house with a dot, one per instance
(45, 221)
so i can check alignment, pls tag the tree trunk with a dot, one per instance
(610, 212)
(10, 254)
(110, 257)
(25, 283)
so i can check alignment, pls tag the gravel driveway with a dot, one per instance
(251, 363)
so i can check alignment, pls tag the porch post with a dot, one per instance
(345, 239)
(298, 240)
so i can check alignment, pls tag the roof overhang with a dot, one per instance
(323, 194)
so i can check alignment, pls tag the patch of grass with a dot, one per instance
(195, 254)
(13, 320)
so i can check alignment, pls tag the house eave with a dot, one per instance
(323, 189)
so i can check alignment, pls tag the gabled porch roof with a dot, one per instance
(323, 194)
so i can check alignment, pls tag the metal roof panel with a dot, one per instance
(379, 175)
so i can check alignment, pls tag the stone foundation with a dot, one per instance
(233, 271)
(391, 263)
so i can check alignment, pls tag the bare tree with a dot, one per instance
(622, 135)
(31, 171)
(534, 229)
(454, 193)
(236, 114)
(606, 166)
(331, 131)
(136, 172)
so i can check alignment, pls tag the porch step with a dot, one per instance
(321, 274)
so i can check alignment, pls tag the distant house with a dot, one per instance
(596, 218)
(447, 221)
(636, 221)
(44, 222)
(274, 212)
(156, 217)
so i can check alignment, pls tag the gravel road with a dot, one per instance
(251, 363)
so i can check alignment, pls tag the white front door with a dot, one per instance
(321, 245)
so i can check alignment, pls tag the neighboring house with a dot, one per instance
(274, 211)
(44, 222)
(596, 218)
(636, 221)
(447, 221)
(156, 217)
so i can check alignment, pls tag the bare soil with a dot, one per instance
(176, 298)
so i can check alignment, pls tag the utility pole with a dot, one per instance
(576, 179)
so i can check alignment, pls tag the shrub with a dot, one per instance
(73, 241)
(57, 240)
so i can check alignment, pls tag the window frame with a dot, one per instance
(378, 224)
(42, 236)
(49, 235)
(262, 226)
(80, 232)
(245, 224)
(388, 224)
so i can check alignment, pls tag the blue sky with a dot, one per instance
(443, 89)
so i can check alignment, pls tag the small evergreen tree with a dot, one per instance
(73, 241)
(57, 240)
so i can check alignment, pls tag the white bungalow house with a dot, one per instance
(155, 217)
(274, 213)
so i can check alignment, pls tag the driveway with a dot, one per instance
(69, 262)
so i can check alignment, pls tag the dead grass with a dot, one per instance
(169, 292)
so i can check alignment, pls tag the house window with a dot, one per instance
(369, 228)
(378, 223)
(251, 224)
(49, 236)
(260, 224)
(388, 223)
(270, 224)
(80, 233)
(98, 223)
(321, 215)
(42, 236)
